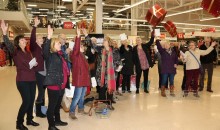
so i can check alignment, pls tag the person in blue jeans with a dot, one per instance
(80, 77)
(169, 61)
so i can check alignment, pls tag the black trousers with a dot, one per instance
(126, 82)
(104, 95)
(209, 67)
(55, 98)
(138, 77)
(117, 80)
(41, 88)
(184, 77)
(27, 90)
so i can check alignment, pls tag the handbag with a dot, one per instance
(200, 66)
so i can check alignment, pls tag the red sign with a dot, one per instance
(208, 30)
(68, 25)
(180, 35)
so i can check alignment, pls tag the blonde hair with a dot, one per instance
(107, 38)
(52, 45)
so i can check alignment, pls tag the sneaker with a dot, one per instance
(196, 95)
(146, 91)
(82, 111)
(118, 93)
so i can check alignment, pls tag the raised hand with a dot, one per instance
(4, 27)
(213, 43)
(78, 32)
(50, 32)
(36, 21)
(84, 32)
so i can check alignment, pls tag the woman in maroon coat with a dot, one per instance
(80, 76)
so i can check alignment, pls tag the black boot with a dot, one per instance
(38, 110)
(53, 128)
(32, 123)
(21, 127)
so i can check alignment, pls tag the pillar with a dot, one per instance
(98, 16)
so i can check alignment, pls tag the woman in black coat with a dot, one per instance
(128, 65)
(140, 65)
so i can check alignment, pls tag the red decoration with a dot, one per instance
(208, 30)
(171, 28)
(68, 25)
(212, 6)
(2, 58)
(155, 15)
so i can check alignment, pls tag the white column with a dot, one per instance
(98, 16)
(74, 2)
(134, 14)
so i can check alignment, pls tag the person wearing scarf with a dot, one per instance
(169, 63)
(106, 73)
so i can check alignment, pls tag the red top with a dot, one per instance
(65, 75)
(143, 59)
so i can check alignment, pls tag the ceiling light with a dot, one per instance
(83, 17)
(205, 19)
(126, 5)
(59, 10)
(65, 13)
(78, 11)
(43, 15)
(31, 5)
(196, 24)
(103, 3)
(43, 9)
(131, 6)
(79, 14)
(90, 9)
(183, 12)
(74, 18)
(50, 13)
(105, 13)
(29, 8)
(67, 0)
(62, 18)
(61, 7)
(118, 14)
(35, 12)
(70, 16)
(90, 12)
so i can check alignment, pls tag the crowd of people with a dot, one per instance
(55, 62)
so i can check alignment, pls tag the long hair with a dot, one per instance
(16, 41)
(52, 45)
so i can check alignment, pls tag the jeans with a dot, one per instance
(41, 88)
(166, 77)
(27, 90)
(138, 77)
(78, 98)
(55, 98)
(209, 68)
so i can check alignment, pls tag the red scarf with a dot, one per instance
(111, 85)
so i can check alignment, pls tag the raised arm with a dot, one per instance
(151, 40)
(46, 48)
(159, 47)
(8, 44)
(206, 52)
(76, 49)
(33, 42)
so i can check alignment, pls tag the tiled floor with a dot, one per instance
(132, 112)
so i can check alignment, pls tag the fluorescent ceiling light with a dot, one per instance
(61, 7)
(32, 5)
(50, 13)
(70, 16)
(65, 13)
(131, 6)
(126, 5)
(78, 11)
(79, 14)
(62, 18)
(43, 9)
(74, 18)
(105, 13)
(116, 24)
(205, 19)
(29, 8)
(82, 17)
(183, 12)
(67, 0)
(118, 14)
(59, 10)
(90, 12)
(43, 15)
(90, 9)
(103, 3)
(35, 12)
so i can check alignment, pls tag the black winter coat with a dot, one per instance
(54, 67)
(128, 65)
(146, 48)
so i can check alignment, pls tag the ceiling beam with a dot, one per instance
(82, 4)
(188, 4)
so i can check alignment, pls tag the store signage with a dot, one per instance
(180, 35)
(208, 30)
(68, 25)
